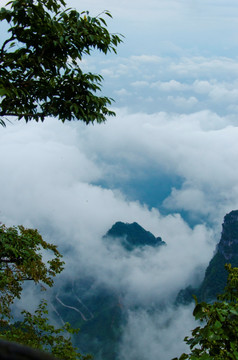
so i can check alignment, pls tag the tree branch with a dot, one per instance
(5, 43)
(2, 113)
(10, 261)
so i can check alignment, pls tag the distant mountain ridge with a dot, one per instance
(133, 235)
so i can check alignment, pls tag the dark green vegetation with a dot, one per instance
(218, 338)
(216, 276)
(36, 332)
(97, 310)
(132, 236)
(40, 73)
(21, 260)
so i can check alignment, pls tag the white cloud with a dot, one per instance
(132, 273)
(122, 92)
(189, 198)
(57, 164)
(199, 147)
(199, 66)
(218, 92)
(184, 84)
(183, 102)
(145, 58)
(171, 85)
(202, 86)
(140, 83)
(180, 120)
(149, 336)
(46, 182)
(192, 26)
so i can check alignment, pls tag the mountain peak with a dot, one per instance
(228, 245)
(133, 235)
(231, 217)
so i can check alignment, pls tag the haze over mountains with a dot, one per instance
(101, 310)
(105, 316)
(167, 162)
(56, 189)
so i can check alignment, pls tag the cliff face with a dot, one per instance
(132, 236)
(216, 275)
(228, 245)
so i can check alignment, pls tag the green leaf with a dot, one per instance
(217, 325)
(48, 41)
(3, 92)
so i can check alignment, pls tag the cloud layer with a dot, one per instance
(72, 182)
(49, 181)
(151, 83)
(174, 139)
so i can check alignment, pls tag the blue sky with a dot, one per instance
(165, 26)
(168, 160)
(178, 69)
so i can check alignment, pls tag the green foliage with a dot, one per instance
(218, 339)
(21, 260)
(40, 72)
(36, 332)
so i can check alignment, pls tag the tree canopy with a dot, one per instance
(36, 332)
(21, 259)
(218, 338)
(40, 62)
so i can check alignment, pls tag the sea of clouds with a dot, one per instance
(47, 182)
(175, 117)
(48, 177)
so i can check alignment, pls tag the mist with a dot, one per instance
(50, 180)
(157, 336)
(167, 161)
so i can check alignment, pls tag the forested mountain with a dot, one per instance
(216, 275)
(132, 236)
(97, 309)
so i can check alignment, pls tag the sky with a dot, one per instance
(167, 160)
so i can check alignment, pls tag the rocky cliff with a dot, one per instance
(216, 275)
